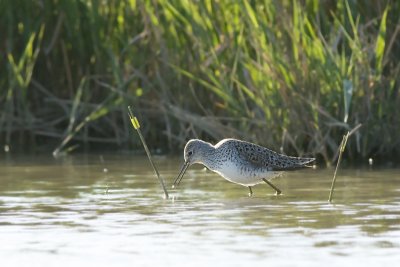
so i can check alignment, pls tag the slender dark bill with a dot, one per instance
(181, 173)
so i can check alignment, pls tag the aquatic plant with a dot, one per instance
(136, 126)
(290, 75)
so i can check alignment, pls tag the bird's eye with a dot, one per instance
(190, 153)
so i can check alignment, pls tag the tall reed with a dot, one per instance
(291, 75)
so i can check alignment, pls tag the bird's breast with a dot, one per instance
(241, 174)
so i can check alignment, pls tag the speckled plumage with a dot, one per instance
(238, 161)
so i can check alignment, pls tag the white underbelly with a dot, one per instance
(244, 176)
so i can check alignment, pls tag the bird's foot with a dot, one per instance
(250, 192)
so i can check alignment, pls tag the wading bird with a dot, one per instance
(239, 162)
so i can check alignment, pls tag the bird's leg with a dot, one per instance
(278, 192)
(251, 191)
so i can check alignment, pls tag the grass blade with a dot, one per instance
(380, 43)
(341, 150)
(136, 126)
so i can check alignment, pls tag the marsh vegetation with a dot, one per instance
(291, 75)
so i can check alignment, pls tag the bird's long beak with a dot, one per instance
(181, 173)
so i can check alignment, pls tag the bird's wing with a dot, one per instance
(264, 157)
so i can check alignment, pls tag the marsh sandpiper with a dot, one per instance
(239, 162)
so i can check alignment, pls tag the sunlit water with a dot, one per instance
(110, 211)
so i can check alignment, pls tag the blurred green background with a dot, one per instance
(290, 75)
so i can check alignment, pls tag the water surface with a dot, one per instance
(92, 210)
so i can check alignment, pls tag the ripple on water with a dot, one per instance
(61, 213)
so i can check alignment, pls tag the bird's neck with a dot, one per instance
(209, 157)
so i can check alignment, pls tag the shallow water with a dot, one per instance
(109, 211)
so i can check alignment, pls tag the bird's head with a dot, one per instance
(195, 151)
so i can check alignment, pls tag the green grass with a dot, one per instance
(291, 75)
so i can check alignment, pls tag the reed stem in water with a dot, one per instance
(341, 150)
(136, 126)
